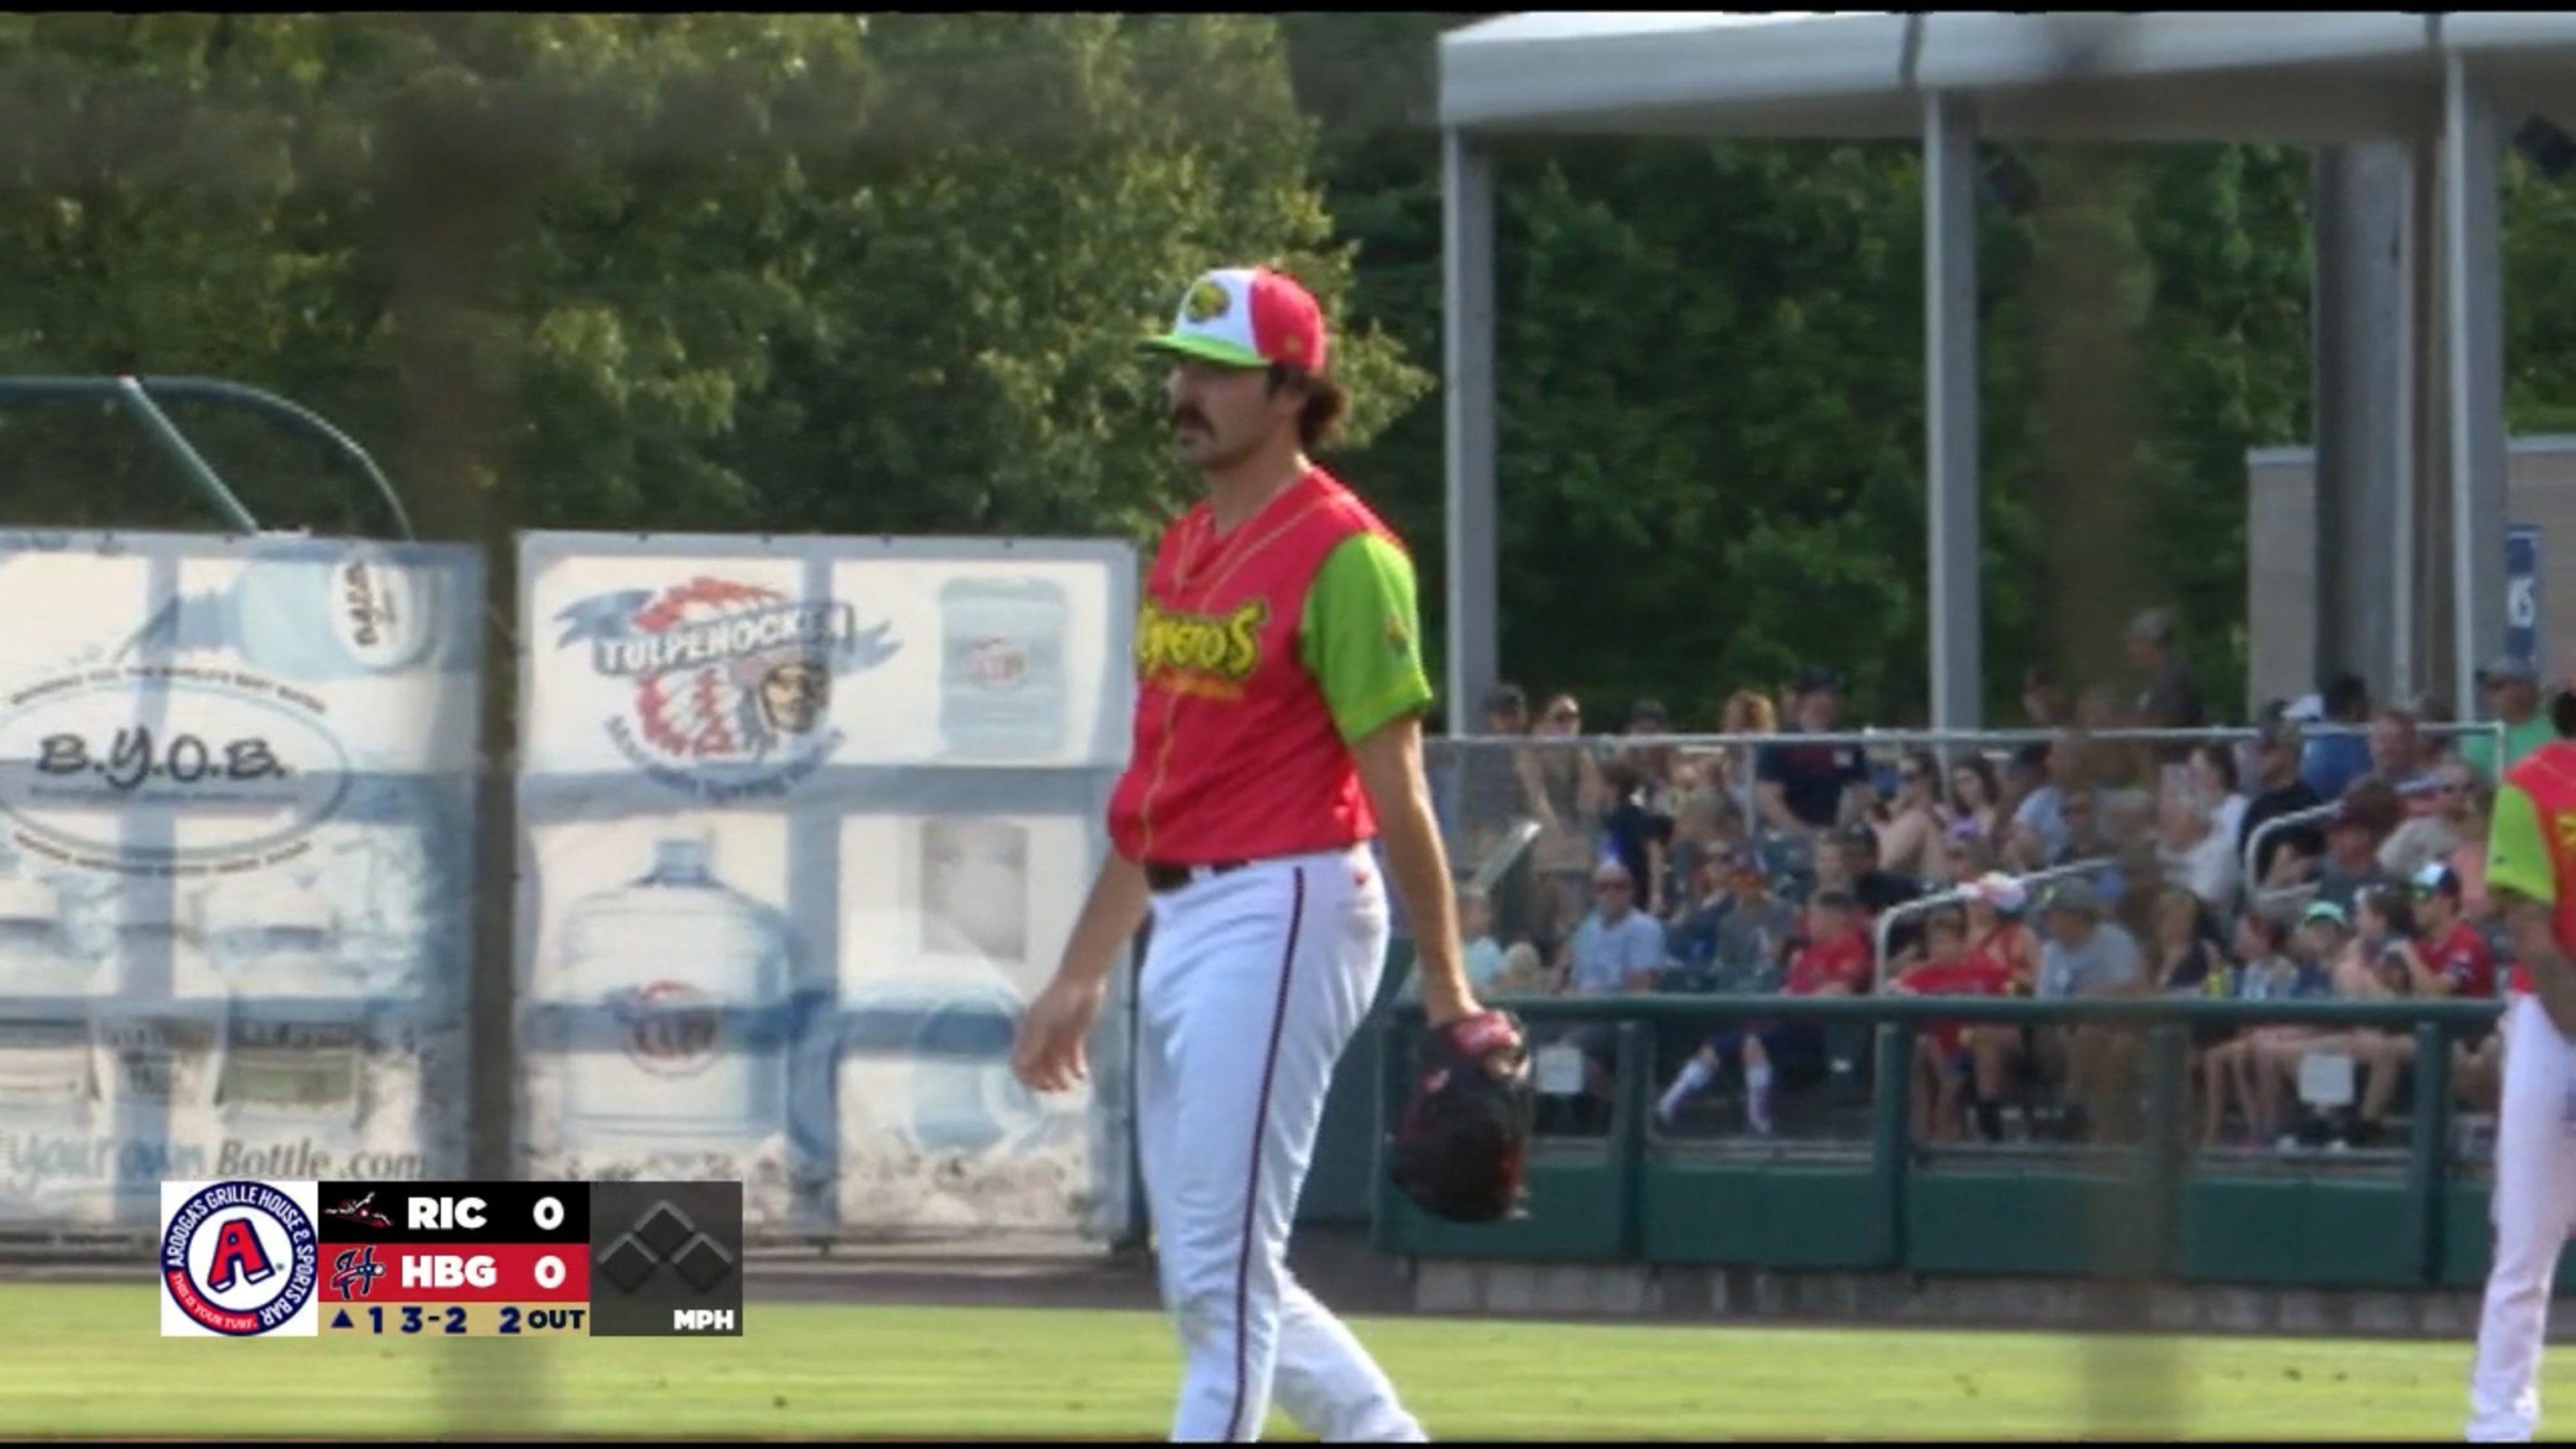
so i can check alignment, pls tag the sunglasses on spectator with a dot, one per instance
(1610, 887)
(1563, 716)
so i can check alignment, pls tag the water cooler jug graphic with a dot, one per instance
(664, 955)
(318, 620)
(1003, 693)
(275, 1075)
(46, 1081)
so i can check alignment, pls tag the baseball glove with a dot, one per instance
(1460, 1148)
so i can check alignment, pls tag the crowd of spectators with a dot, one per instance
(2291, 859)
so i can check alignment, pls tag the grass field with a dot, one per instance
(88, 1361)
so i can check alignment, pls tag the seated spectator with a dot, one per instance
(2187, 962)
(2085, 955)
(2323, 938)
(2268, 971)
(2334, 760)
(2363, 820)
(1812, 790)
(1913, 824)
(2397, 756)
(1690, 931)
(1835, 959)
(2512, 688)
(1485, 959)
(1975, 794)
(1758, 932)
(2024, 775)
(1999, 941)
(1941, 1063)
(1635, 830)
(2382, 961)
(1877, 888)
(2197, 852)
(2278, 792)
(1617, 948)
(1965, 859)
(2042, 809)
(2431, 830)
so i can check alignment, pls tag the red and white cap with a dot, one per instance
(1248, 317)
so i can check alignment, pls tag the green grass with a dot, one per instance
(88, 1361)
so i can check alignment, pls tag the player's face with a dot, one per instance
(1223, 415)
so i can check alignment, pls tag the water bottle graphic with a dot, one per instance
(314, 621)
(1003, 691)
(45, 1069)
(273, 1074)
(665, 955)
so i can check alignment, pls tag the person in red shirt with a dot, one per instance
(1835, 958)
(2000, 939)
(2452, 954)
(1278, 734)
(1941, 1062)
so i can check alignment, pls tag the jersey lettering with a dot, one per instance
(1208, 655)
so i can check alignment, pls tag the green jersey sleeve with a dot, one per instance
(2519, 856)
(1361, 636)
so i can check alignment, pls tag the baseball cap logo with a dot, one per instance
(1207, 301)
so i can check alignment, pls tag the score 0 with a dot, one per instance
(470, 1214)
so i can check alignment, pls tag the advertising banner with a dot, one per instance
(805, 824)
(235, 782)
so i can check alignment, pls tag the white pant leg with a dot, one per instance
(1254, 983)
(1328, 1383)
(2533, 1208)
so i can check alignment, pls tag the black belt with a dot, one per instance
(1162, 876)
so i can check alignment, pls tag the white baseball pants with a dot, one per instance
(1253, 983)
(2534, 1209)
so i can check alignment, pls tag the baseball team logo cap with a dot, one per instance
(1248, 317)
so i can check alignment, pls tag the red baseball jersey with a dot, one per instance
(1842, 960)
(1977, 975)
(2531, 840)
(1262, 655)
(2462, 955)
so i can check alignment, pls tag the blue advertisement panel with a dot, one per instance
(2522, 602)
(805, 824)
(235, 877)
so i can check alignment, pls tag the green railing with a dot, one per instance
(2146, 1208)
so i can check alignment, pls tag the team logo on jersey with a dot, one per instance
(238, 1259)
(733, 681)
(1204, 654)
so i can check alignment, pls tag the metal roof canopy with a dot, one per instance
(2337, 79)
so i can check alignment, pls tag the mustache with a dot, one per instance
(1188, 418)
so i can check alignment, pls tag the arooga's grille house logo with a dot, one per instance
(1211, 655)
(733, 682)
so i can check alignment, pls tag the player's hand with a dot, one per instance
(1049, 1055)
(1440, 1008)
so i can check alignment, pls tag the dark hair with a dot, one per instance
(1321, 414)
(2345, 698)
(2394, 907)
(2222, 763)
(1984, 769)
(2562, 713)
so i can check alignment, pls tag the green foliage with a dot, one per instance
(838, 273)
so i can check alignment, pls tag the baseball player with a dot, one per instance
(1278, 731)
(2531, 876)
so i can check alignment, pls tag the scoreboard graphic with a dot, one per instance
(244, 1259)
